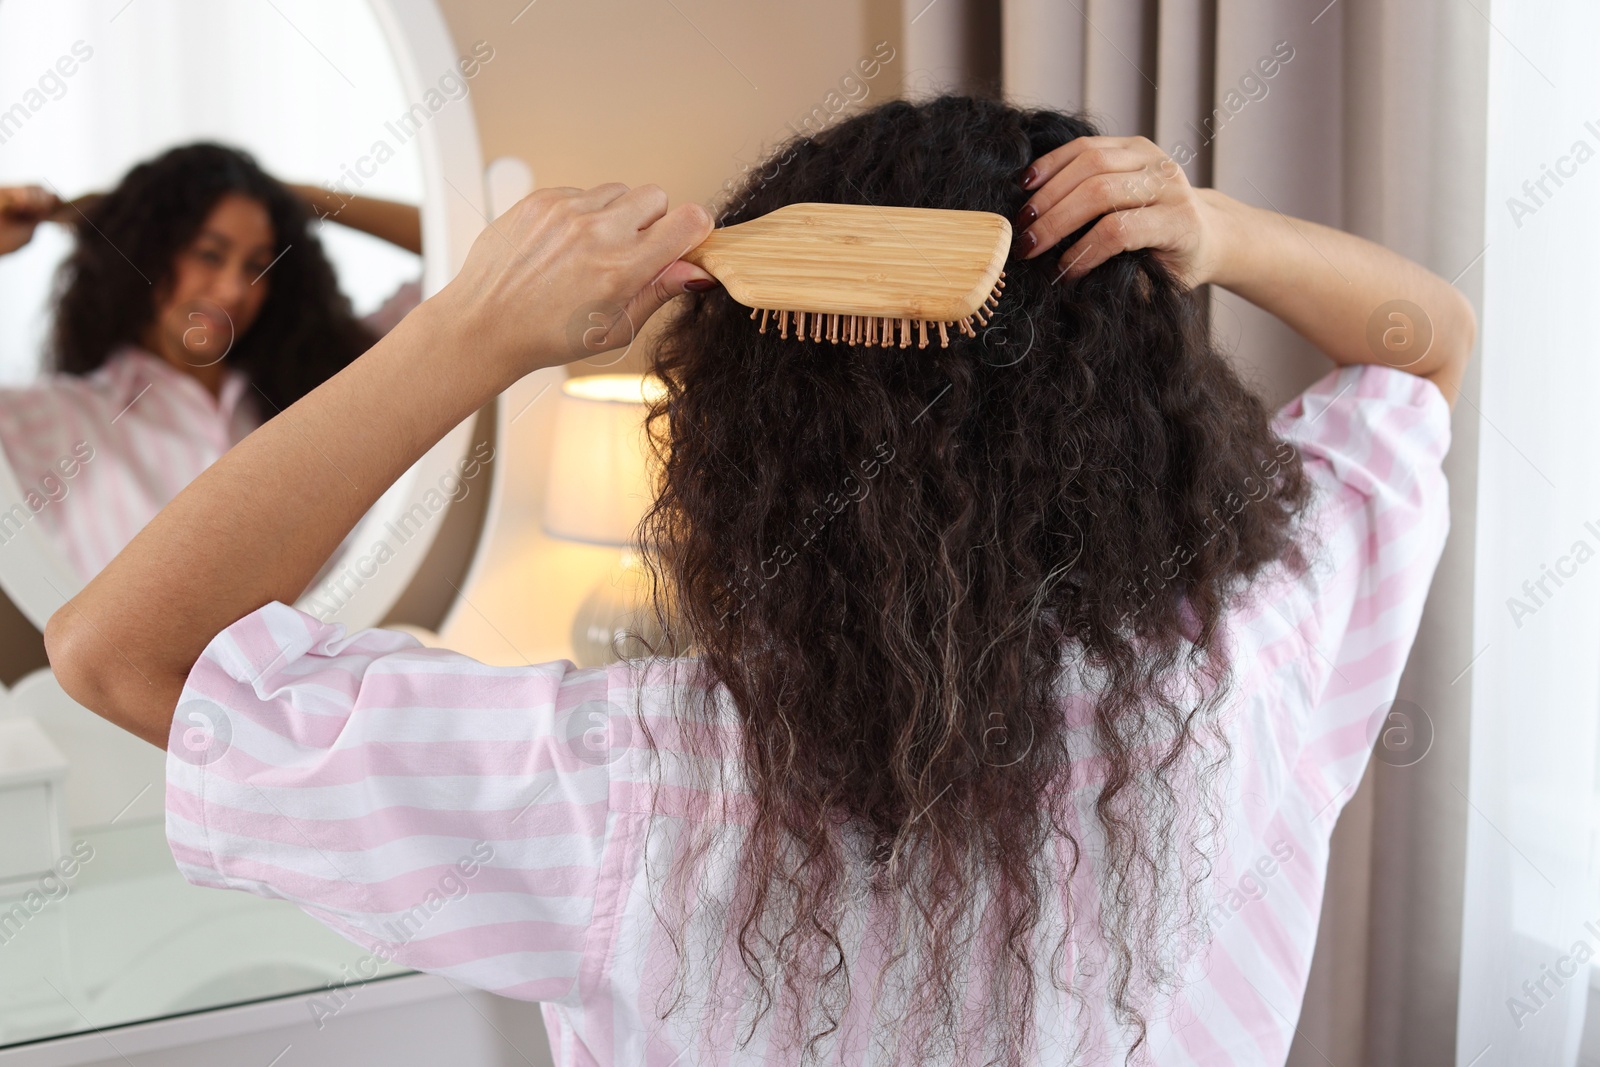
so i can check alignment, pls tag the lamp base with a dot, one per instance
(613, 616)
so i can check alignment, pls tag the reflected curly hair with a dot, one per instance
(128, 243)
(891, 559)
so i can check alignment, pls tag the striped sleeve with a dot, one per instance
(447, 815)
(1373, 440)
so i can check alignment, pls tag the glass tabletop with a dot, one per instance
(126, 940)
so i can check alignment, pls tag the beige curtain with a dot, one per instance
(1372, 124)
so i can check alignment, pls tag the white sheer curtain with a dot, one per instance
(305, 85)
(1531, 909)
(1414, 123)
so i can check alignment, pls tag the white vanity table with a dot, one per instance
(124, 962)
(131, 940)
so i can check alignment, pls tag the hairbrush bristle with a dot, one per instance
(870, 330)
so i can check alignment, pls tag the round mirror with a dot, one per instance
(238, 199)
(157, 316)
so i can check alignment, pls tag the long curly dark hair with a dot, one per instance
(892, 560)
(129, 240)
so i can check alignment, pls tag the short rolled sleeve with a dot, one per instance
(1373, 441)
(1381, 432)
(447, 815)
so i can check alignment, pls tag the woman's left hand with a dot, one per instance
(1141, 197)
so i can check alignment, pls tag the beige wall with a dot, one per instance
(629, 90)
(675, 92)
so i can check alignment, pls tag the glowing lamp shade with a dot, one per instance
(599, 475)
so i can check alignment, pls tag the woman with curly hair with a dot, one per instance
(1003, 696)
(196, 303)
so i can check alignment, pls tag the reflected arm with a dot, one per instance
(399, 224)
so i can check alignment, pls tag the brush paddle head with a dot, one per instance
(851, 272)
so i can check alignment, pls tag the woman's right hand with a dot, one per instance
(566, 274)
(22, 208)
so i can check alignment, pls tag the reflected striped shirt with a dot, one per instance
(140, 430)
(97, 455)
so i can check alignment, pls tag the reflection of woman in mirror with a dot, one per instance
(196, 303)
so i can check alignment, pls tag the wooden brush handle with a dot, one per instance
(855, 259)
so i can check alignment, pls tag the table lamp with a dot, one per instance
(599, 489)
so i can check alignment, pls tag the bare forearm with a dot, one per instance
(281, 499)
(1330, 286)
(399, 224)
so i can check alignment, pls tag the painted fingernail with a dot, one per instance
(1027, 215)
(1029, 176)
(1026, 242)
(699, 285)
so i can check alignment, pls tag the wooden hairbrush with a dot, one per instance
(850, 272)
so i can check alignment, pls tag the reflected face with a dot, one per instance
(219, 282)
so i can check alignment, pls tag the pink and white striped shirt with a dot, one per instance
(109, 449)
(148, 429)
(493, 824)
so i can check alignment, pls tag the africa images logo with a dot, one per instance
(597, 732)
(206, 734)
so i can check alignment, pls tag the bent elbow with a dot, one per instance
(71, 660)
(1467, 327)
(113, 676)
(1455, 336)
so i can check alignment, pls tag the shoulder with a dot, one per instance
(124, 367)
(1318, 648)
(1373, 441)
(1379, 432)
(48, 420)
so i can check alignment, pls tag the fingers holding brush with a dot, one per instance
(667, 234)
(22, 208)
(561, 264)
(1140, 196)
(664, 236)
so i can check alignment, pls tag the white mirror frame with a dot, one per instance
(37, 578)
